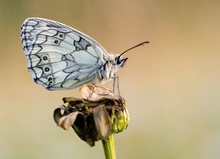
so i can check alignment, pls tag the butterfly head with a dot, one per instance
(120, 61)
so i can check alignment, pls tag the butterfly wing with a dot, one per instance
(60, 57)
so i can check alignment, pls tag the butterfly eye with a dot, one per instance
(118, 60)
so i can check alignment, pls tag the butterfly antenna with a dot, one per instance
(145, 42)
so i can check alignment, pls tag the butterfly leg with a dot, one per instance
(116, 82)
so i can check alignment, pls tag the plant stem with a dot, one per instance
(109, 147)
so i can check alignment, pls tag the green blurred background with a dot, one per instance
(171, 85)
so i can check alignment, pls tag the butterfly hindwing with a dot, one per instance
(60, 57)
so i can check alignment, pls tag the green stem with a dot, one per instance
(109, 147)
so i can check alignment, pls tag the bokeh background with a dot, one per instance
(171, 86)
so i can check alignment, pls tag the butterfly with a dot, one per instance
(60, 57)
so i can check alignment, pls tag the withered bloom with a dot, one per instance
(96, 116)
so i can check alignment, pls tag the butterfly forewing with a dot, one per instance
(60, 57)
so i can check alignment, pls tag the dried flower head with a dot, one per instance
(96, 116)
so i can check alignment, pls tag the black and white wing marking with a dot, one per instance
(60, 57)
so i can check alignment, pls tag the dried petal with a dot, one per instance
(102, 122)
(67, 121)
(95, 93)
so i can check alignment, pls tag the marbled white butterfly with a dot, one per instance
(60, 57)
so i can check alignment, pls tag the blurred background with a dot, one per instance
(171, 85)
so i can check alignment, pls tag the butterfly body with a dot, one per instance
(60, 57)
